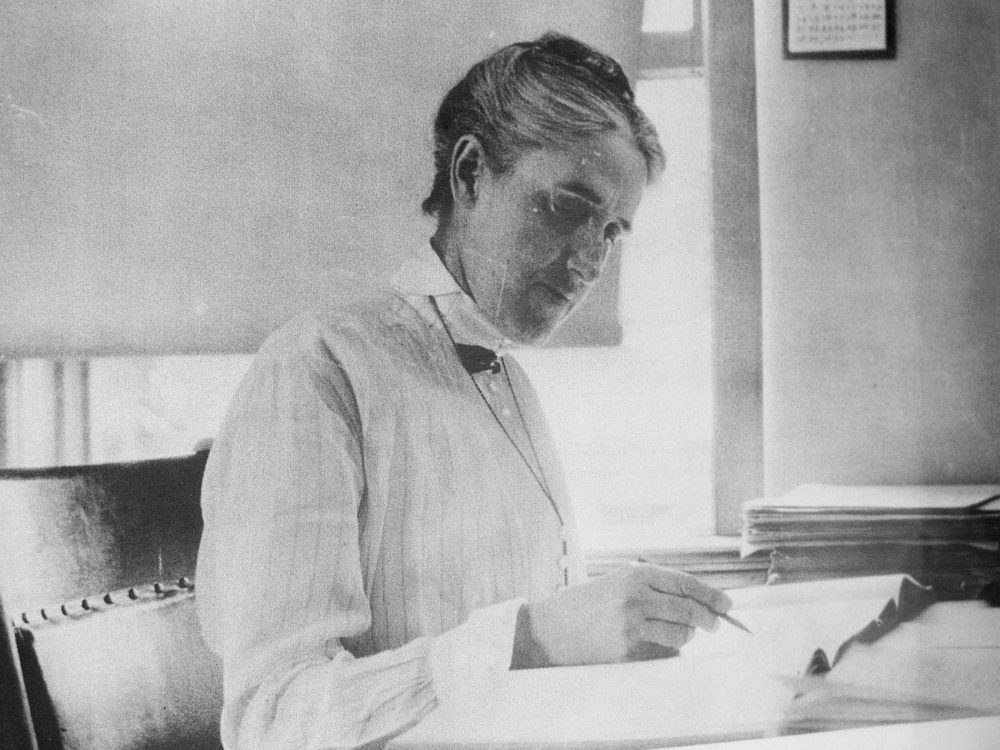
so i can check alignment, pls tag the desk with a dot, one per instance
(720, 691)
(978, 733)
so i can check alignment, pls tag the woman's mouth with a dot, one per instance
(557, 295)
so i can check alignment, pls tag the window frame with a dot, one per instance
(720, 46)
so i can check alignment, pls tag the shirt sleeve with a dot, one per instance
(279, 576)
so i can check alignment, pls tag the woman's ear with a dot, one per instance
(468, 162)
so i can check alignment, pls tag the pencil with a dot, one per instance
(721, 615)
(733, 621)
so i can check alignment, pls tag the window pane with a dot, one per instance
(143, 407)
(659, 16)
(634, 422)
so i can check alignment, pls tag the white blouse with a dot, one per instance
(370, 528)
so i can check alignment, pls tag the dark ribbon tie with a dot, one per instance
(477, 358)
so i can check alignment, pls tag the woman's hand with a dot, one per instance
(639, 611)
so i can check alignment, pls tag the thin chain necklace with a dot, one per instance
(539, 474)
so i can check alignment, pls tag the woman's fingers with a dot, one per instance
(640, 611)
(673, 596)
(678, 610)
(665, 634)
(675, 582)
(643, 650)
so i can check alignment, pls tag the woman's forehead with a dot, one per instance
(605, 168)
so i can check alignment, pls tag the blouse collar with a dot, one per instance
(423, 276)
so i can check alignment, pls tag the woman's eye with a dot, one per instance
(569, 211)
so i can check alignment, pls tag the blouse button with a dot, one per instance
(505, 412)
(493, 385)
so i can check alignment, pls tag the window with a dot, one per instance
(112, 408)
(158, 406)
(690, 367)
(668, 16)
(642, 428)
(634, 422)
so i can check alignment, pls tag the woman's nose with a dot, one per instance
(585, 265)
(587, 256)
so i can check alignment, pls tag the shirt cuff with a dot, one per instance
(473, 654)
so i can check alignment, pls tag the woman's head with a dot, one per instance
(536, 95)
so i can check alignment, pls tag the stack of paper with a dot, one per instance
(941, 665)
(818, 530)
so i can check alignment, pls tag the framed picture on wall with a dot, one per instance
(839, 29)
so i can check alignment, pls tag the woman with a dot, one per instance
(385, 518)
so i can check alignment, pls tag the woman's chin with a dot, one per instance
(538, 328)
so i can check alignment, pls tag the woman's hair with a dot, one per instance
(531, 95)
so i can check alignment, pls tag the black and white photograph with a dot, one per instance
(499, 374)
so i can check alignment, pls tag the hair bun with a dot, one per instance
(600, 66)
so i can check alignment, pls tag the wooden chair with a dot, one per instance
(97, 571)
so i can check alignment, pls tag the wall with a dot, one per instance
(880, 188)
(183, 177)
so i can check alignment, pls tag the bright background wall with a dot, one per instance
(184, 177)
(880, 188)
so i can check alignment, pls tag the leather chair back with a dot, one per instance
(97, 570)
(72, 531)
